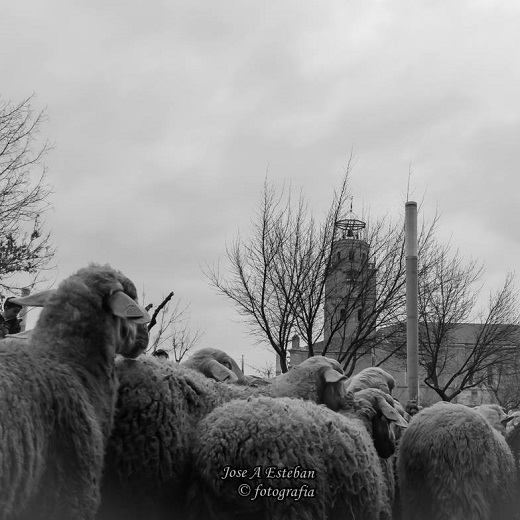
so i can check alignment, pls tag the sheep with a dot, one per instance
(216, 364)
(513, 439)
(495, 415)
(57, 395)
(372, 377)
(283, 458)
(159, 405)
(515, 420)
(452, 464)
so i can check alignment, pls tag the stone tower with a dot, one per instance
(350, 287)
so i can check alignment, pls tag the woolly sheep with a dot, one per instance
(159, 405)
(57, 396)
(495, 415)
(216, 364)
(372, 377)
(515, 421)
(340, 475)
(452, 464)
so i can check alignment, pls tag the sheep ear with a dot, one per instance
(333, 393)
(391, 413)
(122, 305)
(38, 299)
(332, 376)
(221, 373)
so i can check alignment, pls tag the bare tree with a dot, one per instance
(457, 355)
(281, 277)
(266, 371)
(24, 247)
(174, 333)
(260, 283)
(503, 381)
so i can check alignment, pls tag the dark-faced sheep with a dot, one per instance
(452, 464)
(290, 459)
(57, 395)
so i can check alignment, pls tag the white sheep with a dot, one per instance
(371, 377)
(452, 464)
(57, 395)
(495, 415)
(216, 364)
(513, 441)
(292, 459)
(159, 405)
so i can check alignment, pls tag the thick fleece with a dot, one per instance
(57, 396)
(452, 464)
(159, 406)
(336, 471)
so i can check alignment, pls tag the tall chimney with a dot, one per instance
(412, 315)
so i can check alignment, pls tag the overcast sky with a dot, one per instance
(167, 115)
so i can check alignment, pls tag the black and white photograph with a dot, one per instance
(258, 260)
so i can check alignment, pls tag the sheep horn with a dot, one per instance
(122, 305)
(38, 299)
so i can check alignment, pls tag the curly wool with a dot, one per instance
(453, 464)
(159, 405)
(285, 433)
(57, 398)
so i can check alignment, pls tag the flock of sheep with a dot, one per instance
(93, 430)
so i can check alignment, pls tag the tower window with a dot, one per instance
(359, 314)
(343, 314)
(351, 256)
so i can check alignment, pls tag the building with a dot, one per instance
(350, 292)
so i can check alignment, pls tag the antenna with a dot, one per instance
(408, 185)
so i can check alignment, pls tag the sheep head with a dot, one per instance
(378, 410)
(95, 297)
(216, 364)
(495, 415)
(372, 377)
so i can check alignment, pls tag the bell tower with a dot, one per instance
(350, 287)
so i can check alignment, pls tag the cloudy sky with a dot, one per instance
(167, 115)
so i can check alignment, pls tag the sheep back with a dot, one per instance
(284, 434)
(159, 403)
(51, 441)
(453, 464)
